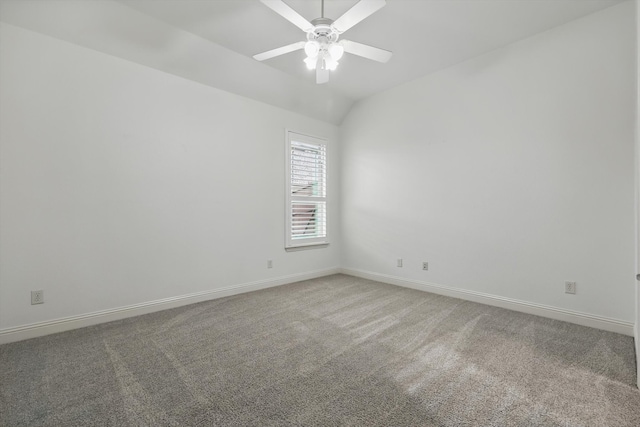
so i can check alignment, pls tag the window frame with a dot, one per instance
(290, 241)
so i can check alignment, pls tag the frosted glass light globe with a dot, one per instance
(330, 63)
(336, 51)
(311, 48)
(311, 62)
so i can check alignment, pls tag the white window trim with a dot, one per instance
(291, 243)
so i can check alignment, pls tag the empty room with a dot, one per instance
(319, 212)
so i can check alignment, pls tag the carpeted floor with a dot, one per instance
(332, 351)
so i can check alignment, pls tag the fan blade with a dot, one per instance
(279, 51)
(284, 10)
(322, 74)
(357, 13)
(366, 51)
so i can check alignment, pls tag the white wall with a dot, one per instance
(121, 184)
(510, 173)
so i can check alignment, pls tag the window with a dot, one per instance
(306, 191)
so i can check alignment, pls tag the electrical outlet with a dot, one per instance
(269, 263)
(425, 266)
(399, 264)
(37, 297)
(569, 287)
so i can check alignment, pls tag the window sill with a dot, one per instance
(308, 246)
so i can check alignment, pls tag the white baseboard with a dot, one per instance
(39, 329)
(584, 319)
(34, 330)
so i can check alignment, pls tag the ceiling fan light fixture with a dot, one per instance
(311, 48)
(330, 63)
(336, 51)
(311, 62)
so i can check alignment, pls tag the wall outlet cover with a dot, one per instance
(37, 297)
(570, 287)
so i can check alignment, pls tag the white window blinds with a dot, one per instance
(306, 190)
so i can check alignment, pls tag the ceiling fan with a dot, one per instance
(322, 47)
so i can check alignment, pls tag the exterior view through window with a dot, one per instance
(306, 190)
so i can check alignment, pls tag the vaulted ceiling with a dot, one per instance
(212, 41)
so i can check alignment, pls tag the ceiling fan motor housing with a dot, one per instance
(323, 31)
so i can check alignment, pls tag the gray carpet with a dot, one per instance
(332, 351)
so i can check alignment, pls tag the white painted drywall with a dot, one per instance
(121, 184)
(510, 173)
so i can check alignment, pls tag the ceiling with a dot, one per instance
(213, 41)
(425, 35)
